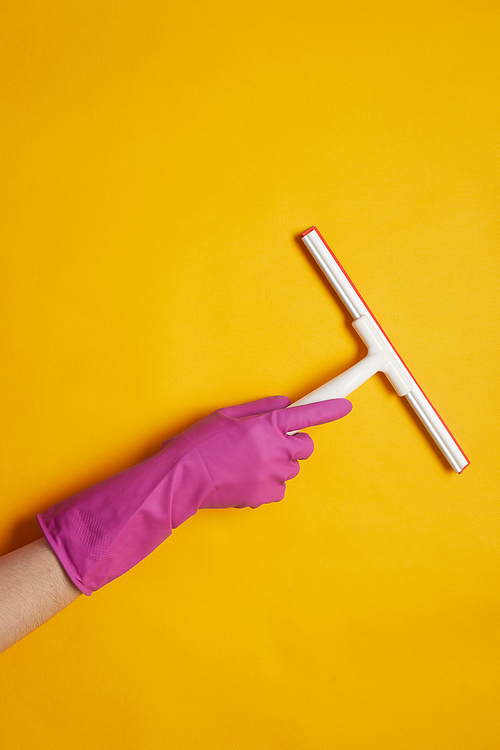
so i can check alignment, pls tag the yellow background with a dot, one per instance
(159, 162)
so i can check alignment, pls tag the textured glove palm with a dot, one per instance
(240, 456)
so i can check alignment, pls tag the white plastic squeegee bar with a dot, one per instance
(381, 357)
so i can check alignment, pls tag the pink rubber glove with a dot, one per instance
(240, 456)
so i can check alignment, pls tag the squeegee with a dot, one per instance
(381, 357)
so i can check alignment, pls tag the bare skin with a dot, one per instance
(33, 588)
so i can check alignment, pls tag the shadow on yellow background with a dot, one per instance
(159, 162)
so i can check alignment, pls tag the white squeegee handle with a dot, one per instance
(381, 357)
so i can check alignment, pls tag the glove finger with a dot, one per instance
(302, 445)
(256, 407)
(307, 415)
(295, 470)
(278, 495)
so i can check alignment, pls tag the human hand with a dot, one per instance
(239, 456)
(247, 452)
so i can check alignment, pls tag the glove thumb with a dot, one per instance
(256, 407)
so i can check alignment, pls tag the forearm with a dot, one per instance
(33, 588)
